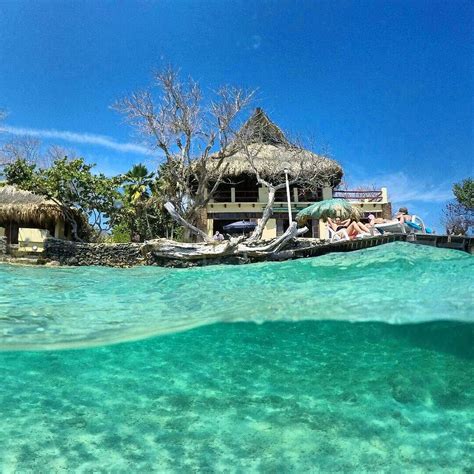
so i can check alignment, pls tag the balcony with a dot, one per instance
(361, 196)
(246, 195)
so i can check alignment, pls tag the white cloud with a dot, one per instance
(74, 137)
(405, 189)
(256, 41)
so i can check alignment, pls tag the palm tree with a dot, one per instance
(138, 181)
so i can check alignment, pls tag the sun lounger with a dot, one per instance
(394, 227)
(416, 225)
(336, 237)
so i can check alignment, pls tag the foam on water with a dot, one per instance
(47, 308)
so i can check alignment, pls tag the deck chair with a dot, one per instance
(335, 236)
(416, 225)
(394, 227)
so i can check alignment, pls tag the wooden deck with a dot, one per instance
(465, 244)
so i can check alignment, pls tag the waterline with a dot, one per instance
(56, 308)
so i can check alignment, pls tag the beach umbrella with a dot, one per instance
(240, 226)
(329, 208)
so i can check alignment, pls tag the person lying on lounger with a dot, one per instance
(353, 228)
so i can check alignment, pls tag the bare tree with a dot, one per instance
(20, 148)
(31, 150)
(57, 152)
(457, 218)
(307, 170)
(194, 137)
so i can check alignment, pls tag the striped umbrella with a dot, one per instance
(329, 208)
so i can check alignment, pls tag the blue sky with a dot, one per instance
(385, 85)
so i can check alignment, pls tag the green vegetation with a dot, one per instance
(121, 208)
(459, 214)
(464, 193)
(141, 215)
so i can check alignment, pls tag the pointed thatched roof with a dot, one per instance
(269, 148)
(260, 129)
(21, 206)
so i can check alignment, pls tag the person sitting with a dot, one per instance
(353, 228)
(403, 216)
(218, 236)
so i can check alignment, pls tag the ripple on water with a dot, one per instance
(47, 308)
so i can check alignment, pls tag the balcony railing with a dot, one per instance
(248, 195)
(359, 195)
(222, 196)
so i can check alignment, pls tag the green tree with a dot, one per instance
(142, 215)
(458, 215)
(464, 193)
(20, 173)
(137, 183)
(73, 186)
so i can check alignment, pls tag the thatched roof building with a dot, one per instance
(22, 207)
(269, 150)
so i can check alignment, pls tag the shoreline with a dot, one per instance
(72, 254)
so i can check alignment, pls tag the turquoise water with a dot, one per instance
(323, 385)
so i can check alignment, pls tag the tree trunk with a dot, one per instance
(189, 227)
(277, 244)
(70, 219)
(267, 213)
(189, 252)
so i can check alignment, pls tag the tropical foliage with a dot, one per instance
(458, 215)
(142, 215)
(71, 184)
(121, 208)
(464, 193)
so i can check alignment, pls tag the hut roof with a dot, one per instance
(23, 206)
(269, 147)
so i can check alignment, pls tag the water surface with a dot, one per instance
(81, 306)
(363, 362)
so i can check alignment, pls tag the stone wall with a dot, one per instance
(77, 253)
(3, 245)
(387, 210)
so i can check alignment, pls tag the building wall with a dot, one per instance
(32, 240)
(270, 230)
(242, 210)
(29, 237)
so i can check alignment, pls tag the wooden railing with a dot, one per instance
(359, 195)
(246, 196)
(222, 196)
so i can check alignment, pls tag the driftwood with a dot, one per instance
(193, 229)
(235, 247)
(169, 249)
(276, 244)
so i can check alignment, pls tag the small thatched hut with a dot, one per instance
(27, 219)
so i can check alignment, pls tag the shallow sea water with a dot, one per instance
(312, 389)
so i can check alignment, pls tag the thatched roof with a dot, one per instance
(269, 149)
(23, 206)
(329, 208)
